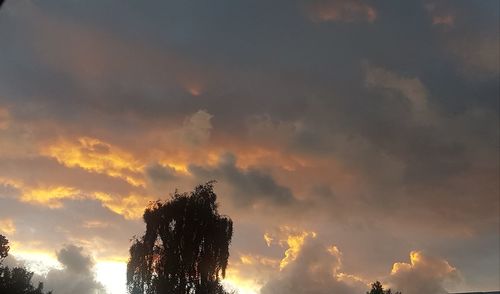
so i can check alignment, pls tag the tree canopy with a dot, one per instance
(4, 248)
(16, 280)
(185, 248)
(377, 288)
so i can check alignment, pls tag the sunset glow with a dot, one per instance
(346, 142)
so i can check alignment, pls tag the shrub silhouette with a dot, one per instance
(185, 248)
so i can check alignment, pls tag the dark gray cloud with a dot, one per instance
(158, 173)
(76, 276)
(72, 258)
(249, 186)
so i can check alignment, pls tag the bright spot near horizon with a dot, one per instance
(39, 263)
(239, 287)
(113, 276)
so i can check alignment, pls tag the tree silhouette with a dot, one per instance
(185, 248)
(4, 248)
(18, 279)
(378, 289)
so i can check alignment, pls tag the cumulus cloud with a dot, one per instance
(76, 276)
(424, 274)
(312, 267)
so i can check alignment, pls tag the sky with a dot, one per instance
(351, 141)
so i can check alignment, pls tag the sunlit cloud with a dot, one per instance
(130, 206)
(295, 241)
(97, 156)
(424, 274)
(309, 266)
(50, 196)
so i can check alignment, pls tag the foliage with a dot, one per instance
(18, 279)
(4, 248)
(378, 289)
(185, 248)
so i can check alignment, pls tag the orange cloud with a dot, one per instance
(440, 14)
(248, 272)
(295, 243)
(97, 156)
(7, 226)
(446, 20)
(49, 196)
(341, 11)
(292, 238)
(424, 274)
(131, 206)
(4, 118)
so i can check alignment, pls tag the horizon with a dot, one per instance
(351, 141)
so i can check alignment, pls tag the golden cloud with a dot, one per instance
(248, 272)
(291, 238)
(49, 196)
(419, 260)
(97, 156)
(424, 274)
(131, 206)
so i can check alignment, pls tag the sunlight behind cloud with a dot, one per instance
(38, 262)
(240, 286)
(293, 239)
(112, 275)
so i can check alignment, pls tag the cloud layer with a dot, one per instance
(373, 124)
